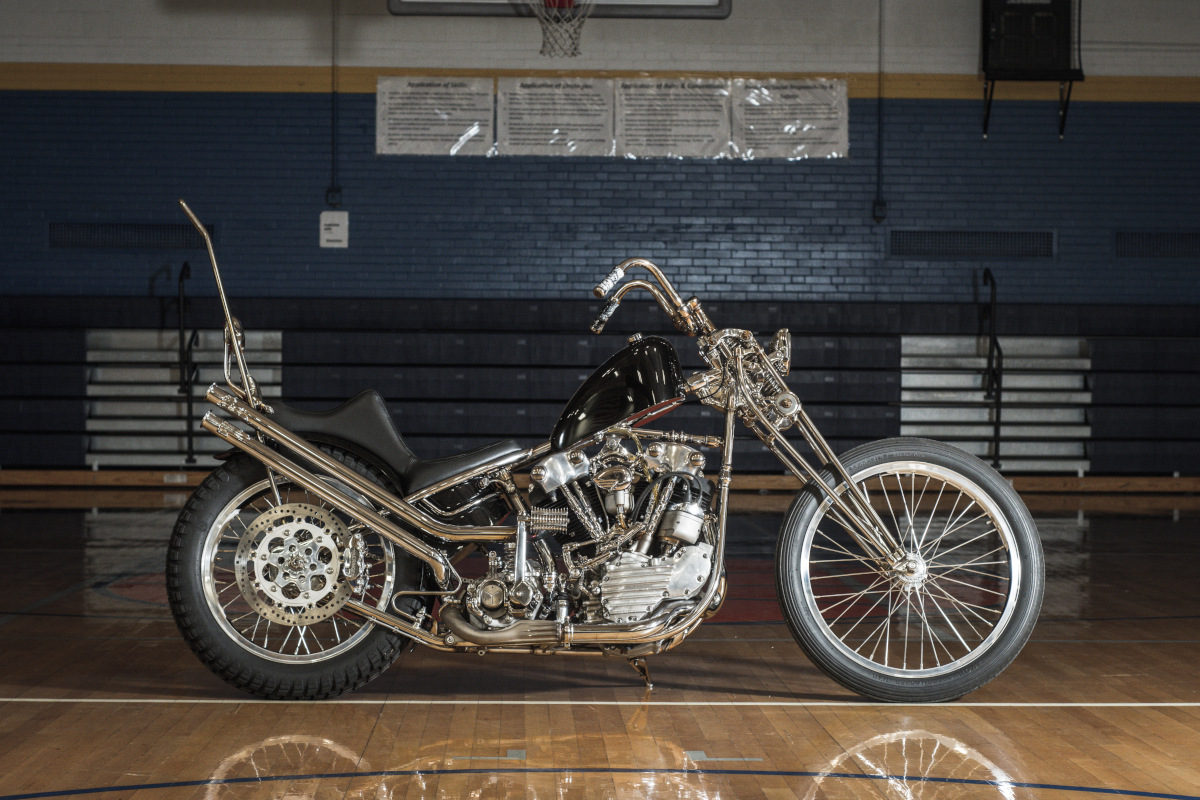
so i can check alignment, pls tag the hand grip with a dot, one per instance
(605, 314)
(605, 286)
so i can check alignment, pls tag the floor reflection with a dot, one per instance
(912, 765)
(286, 767)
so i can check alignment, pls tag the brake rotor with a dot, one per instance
(288, 564)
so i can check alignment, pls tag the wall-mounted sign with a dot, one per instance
(554, 117)
(434, 116)
(680, 118)
(790, 119)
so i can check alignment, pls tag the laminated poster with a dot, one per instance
(554, 117)
(434, 116)
(679, 118)
(790, 119)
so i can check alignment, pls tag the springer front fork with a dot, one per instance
(861, 521)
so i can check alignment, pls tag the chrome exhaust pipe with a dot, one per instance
(407, 512)
(525, 632)
(396, 624)
(368, 516)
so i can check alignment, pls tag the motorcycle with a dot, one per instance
(322, 547)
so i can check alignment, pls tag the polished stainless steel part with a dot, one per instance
(391, 503)
(634, 584)
(559, 469)
(871, 533)
(235, 341)
(287, 564)
(368, 516)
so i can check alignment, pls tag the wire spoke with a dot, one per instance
(252, 618)
(875, 605)
(969, 608)
(950, 624)
(848, 598)
(974, 587)
(988, 532)
(932, 513)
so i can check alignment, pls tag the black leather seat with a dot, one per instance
(429, 472)
(364, 421)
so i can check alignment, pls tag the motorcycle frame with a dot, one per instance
(731, 354)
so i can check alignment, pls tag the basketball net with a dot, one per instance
(562, 21)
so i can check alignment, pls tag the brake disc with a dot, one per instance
(288, 564)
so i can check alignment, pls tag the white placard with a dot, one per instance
(335, 229)
(554, 117)
(680, 118)
(434, 116)
(790, 119)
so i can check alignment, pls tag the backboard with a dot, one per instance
(693, 9)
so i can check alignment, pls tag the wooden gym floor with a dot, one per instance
(100, 697)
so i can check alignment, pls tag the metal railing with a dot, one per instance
(993, 375)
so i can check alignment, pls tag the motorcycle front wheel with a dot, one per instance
(949, 615)
(258, 584)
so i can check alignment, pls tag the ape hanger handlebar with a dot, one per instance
(688, 316)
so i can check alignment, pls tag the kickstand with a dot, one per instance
(643, 669)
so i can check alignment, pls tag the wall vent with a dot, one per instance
(1158, 244)
(126, 235)
(970, 245)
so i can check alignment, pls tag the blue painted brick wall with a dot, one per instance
(257, 166)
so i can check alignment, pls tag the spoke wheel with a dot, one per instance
(258, 585)
(952, 610)
(272, 575)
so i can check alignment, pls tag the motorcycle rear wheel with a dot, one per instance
(957, 609)
(258, 588)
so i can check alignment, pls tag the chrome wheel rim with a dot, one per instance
(945, 603)
(258, 607)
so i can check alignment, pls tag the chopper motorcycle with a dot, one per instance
(322, 547)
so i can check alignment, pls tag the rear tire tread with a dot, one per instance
(226, 659)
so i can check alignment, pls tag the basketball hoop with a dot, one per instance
(562, 21)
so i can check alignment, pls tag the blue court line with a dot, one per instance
(45, 601)
(600, 771)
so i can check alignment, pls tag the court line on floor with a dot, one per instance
(699, 772)
(45, 601)
(664, 703)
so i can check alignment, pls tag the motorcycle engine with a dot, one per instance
(631, 528)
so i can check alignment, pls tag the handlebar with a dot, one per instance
(605, 286)
(605, 314)
(688, 317)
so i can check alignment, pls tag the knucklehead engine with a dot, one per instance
(627, 524)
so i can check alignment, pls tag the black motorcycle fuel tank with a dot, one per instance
(637, 383)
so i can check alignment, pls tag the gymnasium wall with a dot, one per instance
(1118, 37)
(108, 118)
(113, 112)
(256, 167)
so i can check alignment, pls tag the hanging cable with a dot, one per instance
(333, 195)
(879, 209)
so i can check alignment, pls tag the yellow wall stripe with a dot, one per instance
(22, 76)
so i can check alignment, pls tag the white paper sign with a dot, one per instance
(434, 116)
(554, 117)
(335, 229)
(790, 119)
(680, 118)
